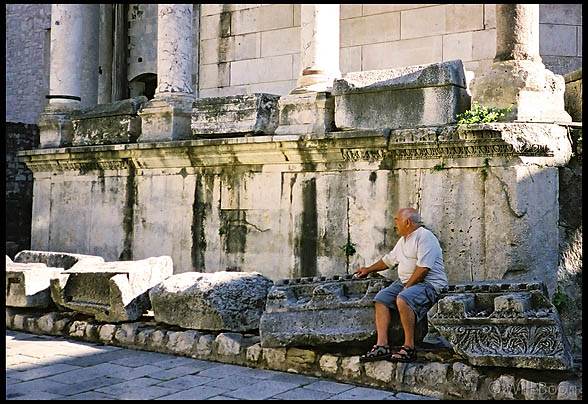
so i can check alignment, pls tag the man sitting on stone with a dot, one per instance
(421, 276)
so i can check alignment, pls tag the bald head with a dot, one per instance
(407, 221)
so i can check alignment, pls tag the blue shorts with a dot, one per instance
(420, 297)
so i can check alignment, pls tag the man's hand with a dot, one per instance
(361, 272)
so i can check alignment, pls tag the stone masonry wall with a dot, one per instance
(27, 61)
(249, 48)
(19, 187)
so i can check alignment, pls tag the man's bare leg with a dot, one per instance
(383, 319)
(408, 320)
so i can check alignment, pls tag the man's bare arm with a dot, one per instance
(363, 271)
(418, 276)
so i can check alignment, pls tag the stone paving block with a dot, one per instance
(173, 373)
(39, 395)
(120, 388)
(222, 371)
(261, 390)
(173, 362)
(90, 395)
(362, 393)
(43, 371)
(329, 387)
(301, 393)
(186, 382)
(145, 393)
(199, 392)
(233, 382)
(134, 373)
(33, 386)
(85, 386)
(91, 372)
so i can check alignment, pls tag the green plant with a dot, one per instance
(560, 299)
(480, 114)
(349, 249)
(439, 167)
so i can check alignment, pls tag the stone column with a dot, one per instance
(168, 115)
(90, 58)
(319, 47)
(105, 55)
(310, 108)
(65, 72)
(518, 78)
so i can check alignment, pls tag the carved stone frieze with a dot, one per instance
(503, 324)
(73, 165)
(326, 310)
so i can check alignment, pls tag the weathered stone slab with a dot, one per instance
(56, 259)
(503, 324)
(113, 123)
(111, 291)
(28, 277)
(422, 95)
(327, 310)
(228, 301)
(251, 114)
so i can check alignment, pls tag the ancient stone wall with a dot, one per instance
(372, 37)
(19, 186)
(246, 48)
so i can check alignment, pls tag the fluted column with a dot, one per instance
(319, 47)
(518, 79)
(168, 115)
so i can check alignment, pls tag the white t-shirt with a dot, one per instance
(420, 248)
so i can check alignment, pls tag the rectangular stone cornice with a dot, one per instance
(421, 144)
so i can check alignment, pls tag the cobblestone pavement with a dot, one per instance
(40, 367)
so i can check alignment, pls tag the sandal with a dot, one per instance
(409, 354)
(377, 353)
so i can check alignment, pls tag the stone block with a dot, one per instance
(111, 291)
(55, 127)
(55, 259)
(113, 123)
(28, 277)
(459, 306)
(27, 285)
(412, 22)
(280, 42)
(230, 301)
(532, 92)
(326, 311)
(166, 118)
(252, 114)
(422, 95)
(229, 344)
(371, 29)
(253, 353)
(380, 370)
(328, 363)
(205, 345)
(304, 113)
(261, 70)
(511, 324)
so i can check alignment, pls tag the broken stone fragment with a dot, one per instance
(228, 301)
(111, 291)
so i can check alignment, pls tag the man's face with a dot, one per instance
(400, 224)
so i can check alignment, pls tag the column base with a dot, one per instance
(307, 112)
(534, 93)
(166, 118)
(55, 126)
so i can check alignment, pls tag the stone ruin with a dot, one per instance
(28, 277)
(110, 291)
(326, 311)
(231, 301)
(508, 324)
